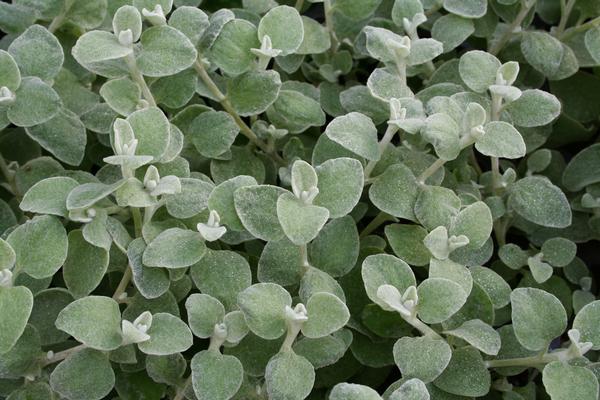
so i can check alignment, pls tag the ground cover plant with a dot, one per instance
(335, 199)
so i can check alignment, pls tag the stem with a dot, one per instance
(495, 116)
(387, 138)
(565, 13)
(329, 24)
(532, 361)
(56, 22)
(127, 275)
(215, 343)
(495, 49)
(375, 223)
(299, 5)
(244, 128)
(181, 391)
(583, 27)
(62, 355)
(422, 327)
(137, 76)
(437, 164)
(9, 176)
(292, 333)
(304, 256)
(137, 221)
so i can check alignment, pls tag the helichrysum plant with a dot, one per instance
(287, 200)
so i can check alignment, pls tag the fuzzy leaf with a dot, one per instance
(231, 50)
(353, 391)
(478, 70)
(94, 321)
(301, 222)
(534, 108)
(40, 246)
(538, 317)
(68, 380)
(16, 304)
(283, 386)
(501, 140)
(253, 92)
(439, 299)
(563, 381)
(284, 26)
(264, 305)
(326, 314)
(204, 312)
(216, 376)
(479, 335)
(168, 335)
(384, 269)
(422, 357)
(395, 191)
(586, 321)
(165, 51)
(466, 375)
(357, 133)
(537, 200)
(174, 248)
(49, 196)
(38, 53)
(35, 103)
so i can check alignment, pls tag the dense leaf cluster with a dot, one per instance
(322, 199)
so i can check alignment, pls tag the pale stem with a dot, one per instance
(299, 5)
(56, 22)
(304, 256)
(329, 24)
(495, 116)
(244, 128)
(564, 17)
(292, 332)
(215, 343)
(62, 355)
(9, 176)
(127, 275)
(375, 223)
(432, 169)
(181, 390)
(422, 327)
(583, 27)
(387, 138)
(499, 45)
(137, 221)
(532, 361)
(137, 76)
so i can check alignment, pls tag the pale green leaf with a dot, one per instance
(284, 26)
(165, 51)
(168, 335)
(16, 304)
(439, 299)
(281, 385)
(98, 380)
(94, 321)
(40, 245)
(174, 248)
(216, 376)
(422, 357)
(538, 317)
(264, 305)
(537, 200)
(357, 133)
(49, 196)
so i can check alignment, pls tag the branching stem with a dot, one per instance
(137, 76)
(244, 128)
